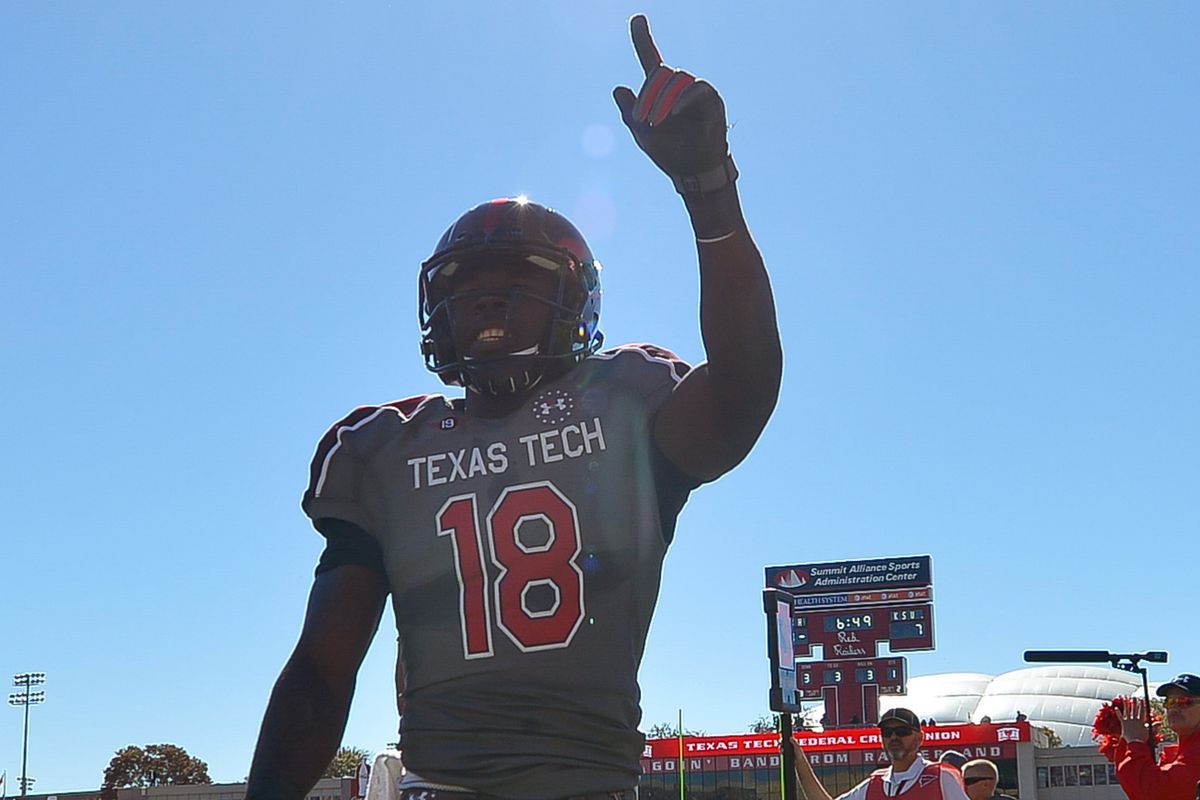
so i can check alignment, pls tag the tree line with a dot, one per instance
(167, 764)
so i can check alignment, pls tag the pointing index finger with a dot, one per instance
(643, 43)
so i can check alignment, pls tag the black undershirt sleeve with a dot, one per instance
(346, 543)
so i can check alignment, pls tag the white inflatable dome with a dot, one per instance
(1062, 697)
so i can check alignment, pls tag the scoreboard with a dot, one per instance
(888, 675)
(846, 610)
(857, 632)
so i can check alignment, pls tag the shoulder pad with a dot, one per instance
(653, 354)
(357, 419)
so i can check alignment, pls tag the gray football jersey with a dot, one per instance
(524, 556)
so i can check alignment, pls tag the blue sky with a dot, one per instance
(981, 224)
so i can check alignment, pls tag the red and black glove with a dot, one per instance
(677, 120)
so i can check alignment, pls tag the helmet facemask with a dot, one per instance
(520, 359)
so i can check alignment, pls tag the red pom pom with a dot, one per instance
(1108, 747)
(1106, 728)
(1107, 723)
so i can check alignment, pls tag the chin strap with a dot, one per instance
(504, 386)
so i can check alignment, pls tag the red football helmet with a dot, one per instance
(504, 228)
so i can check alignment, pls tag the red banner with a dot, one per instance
(842, 758)
(937, 739)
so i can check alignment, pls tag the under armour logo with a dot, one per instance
(553, 407)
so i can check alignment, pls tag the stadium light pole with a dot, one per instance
(27, 680)
(1130, 662)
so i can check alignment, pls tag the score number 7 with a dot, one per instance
(521, 566)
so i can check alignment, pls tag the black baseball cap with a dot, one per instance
(905, 716)
(1187, 683)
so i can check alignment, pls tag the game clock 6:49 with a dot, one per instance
(849, 622)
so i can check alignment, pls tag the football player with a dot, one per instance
(520, 529)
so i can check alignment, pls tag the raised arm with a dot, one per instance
(1137, 771)
(306, 715)
(813, 790)
(718, 411)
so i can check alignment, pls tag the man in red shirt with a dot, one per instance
(1174, 778)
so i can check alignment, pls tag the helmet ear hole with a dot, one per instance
(574, 295)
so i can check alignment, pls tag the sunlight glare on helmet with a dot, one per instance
(541, 261)
(521, 200)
